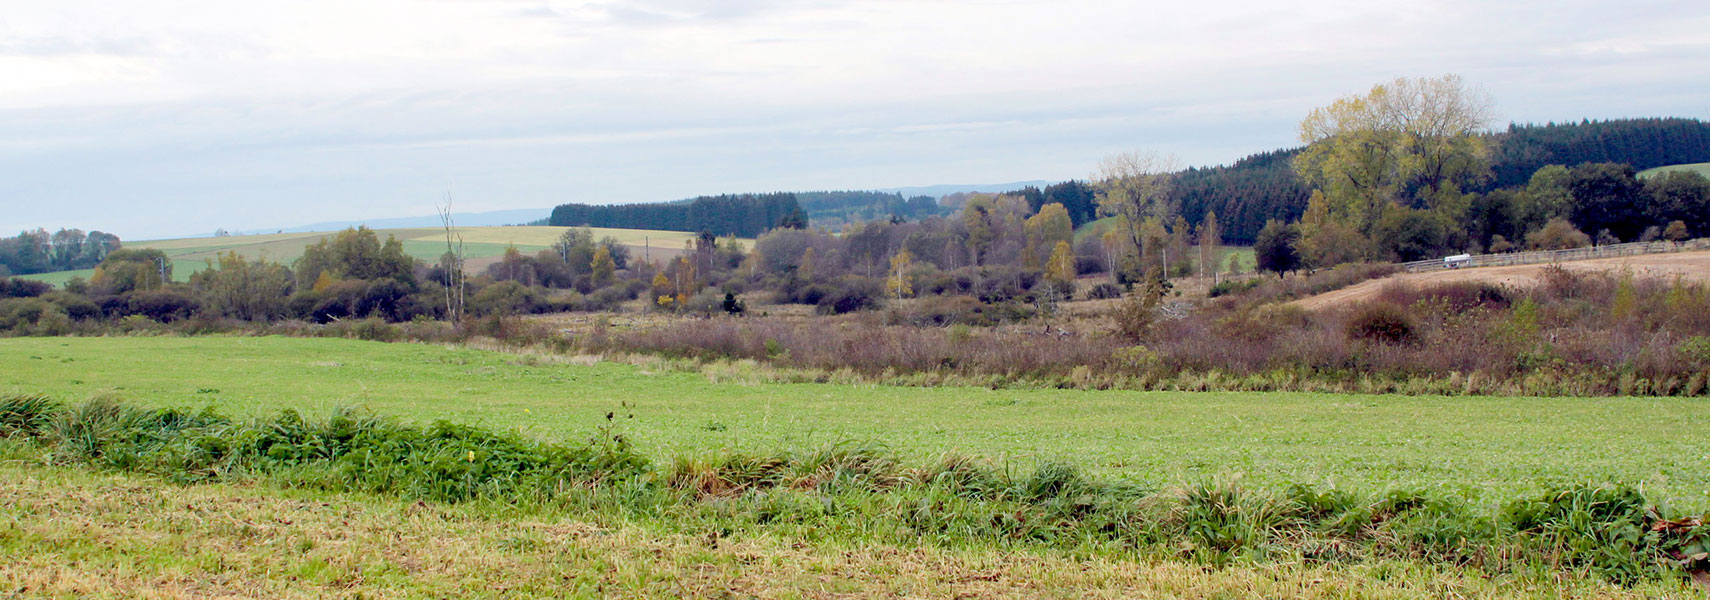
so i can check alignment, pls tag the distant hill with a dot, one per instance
(947, 189)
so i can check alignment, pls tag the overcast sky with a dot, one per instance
(153, 119)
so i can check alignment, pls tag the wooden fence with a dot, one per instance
(1554, 256)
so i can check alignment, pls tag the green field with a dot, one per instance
(1699, 168)
(192, 254)
(1486, 449)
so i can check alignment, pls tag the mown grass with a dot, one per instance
(1483, 449)
(841, 496)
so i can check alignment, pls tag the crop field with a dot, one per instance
(1480, 448)
(1700, 168)
(480, 245)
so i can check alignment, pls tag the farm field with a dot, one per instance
(481, 245)
(1700, 168)
(1485, 449)
(1692, 266)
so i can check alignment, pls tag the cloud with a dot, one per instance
(249, 116)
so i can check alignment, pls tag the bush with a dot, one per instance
(76, 306)
(1381, 322)
(1558, 234)
(607, 298)
(33, 316)
(513, 298)
(1135, 317)
(1230, 286)
(938, 311)
(1104, 291)
(705, 303)
(13, 287)
(851, 294)
(163, 305)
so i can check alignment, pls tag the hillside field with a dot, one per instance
(481, 245)
(1699, 168)
(1485, 449)
(1691, 266)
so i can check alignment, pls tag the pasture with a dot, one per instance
(1699, 168)
(481, 246)
(1481, 448)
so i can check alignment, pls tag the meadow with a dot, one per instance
(1699, 168)
(427, 244)
(1483, 449)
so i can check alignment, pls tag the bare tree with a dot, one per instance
(453, 263)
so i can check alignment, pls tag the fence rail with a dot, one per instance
(1552, 256)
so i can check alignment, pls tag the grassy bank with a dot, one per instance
(838, 497)
(71, 532)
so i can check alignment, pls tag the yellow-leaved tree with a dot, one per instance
(1404, 140)
(899, 283)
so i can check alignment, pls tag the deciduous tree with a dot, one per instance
(1135, 186)
(1402, 140)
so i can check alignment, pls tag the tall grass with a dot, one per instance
(1574, 334)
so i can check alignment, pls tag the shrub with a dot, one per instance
(13, 287)
(76, 306)
(937, 311)
(851, 294)
(1558, 234)
(33, 316)
(607, 298)
(1230, 286)
(705, 303)
(1104, 291)
(164, 305)
(1135, 316)
(1381, 322)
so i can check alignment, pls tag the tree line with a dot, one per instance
(1266, 186)
(743, 215)
(839, 208)
(38, 251)
(1403, 173)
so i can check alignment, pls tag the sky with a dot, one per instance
(162, 118)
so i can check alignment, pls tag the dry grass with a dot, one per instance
(1693, 266)
(72, 533)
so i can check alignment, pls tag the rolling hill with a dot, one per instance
(481, 245)
(1702, 168)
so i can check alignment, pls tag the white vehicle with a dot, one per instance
(1457, 261)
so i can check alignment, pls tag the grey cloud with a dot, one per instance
(42, 47)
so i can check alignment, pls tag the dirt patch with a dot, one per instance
(1689, 265)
